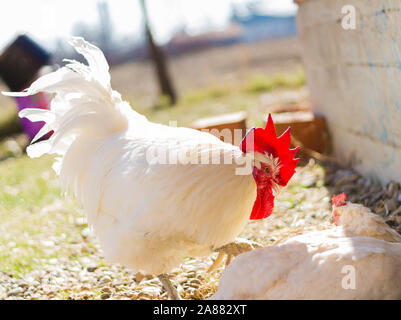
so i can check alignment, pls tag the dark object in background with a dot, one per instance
(159, 61)
(20, 64)
(21, 61)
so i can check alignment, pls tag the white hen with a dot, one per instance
(361, 259)
(153, 193)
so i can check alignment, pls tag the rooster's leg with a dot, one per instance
(168, 286)
(233, 249)
(216, 262)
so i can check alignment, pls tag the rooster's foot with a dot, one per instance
(169, 287)
(233, 249)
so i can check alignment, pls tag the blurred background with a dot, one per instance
(204, 57)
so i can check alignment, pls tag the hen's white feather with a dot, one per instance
(147, 215)
(311, 265)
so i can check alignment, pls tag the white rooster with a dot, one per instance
(154, 194)
(358, 259)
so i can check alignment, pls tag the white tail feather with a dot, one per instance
(84, 113)
(84, 103)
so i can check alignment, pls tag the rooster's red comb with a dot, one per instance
(265, 141)
(339, 200)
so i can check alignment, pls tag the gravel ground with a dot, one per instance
(304, 205)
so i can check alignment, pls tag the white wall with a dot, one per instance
(355, 80)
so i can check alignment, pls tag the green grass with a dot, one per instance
(261, 82)
(221, 99)
(29, 214)
(31, 207)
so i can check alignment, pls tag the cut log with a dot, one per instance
(229, 127)
(306, 127)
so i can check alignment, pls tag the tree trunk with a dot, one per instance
(159, 61)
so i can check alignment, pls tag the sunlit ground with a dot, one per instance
(46, 246)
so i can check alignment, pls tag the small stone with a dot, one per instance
(91, 267)
(361, 182)
(392, 189)
(391, 204)
(84, 295)
(105, 296)
(75, 269)
(80, 221)
(397, 212)
(182, 280)
(106, 289)
(23, 285)
(376, 196)
(380, 209)
(51, 293)
(195, 281)
(128, 293)
(191, 273)
(47, 243)
(151, 291)
(139, 276)
(309, 181)
(14, 292)
(105, 279)
(197, 294)
(59, 280)
(85, 232)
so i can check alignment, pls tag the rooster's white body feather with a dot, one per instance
(146, 215)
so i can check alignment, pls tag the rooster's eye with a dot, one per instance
(267, 170)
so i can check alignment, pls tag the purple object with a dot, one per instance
(20, 64)
(36, 101)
